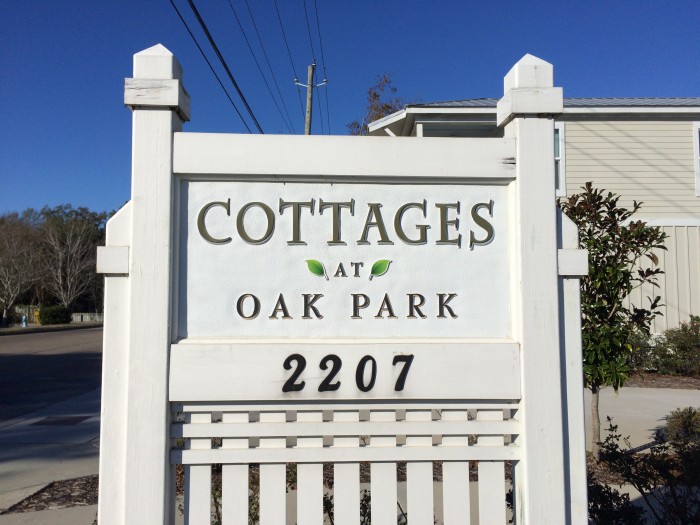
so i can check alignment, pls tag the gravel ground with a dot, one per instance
(76, 492)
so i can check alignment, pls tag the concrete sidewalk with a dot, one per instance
(55, 443)
(638, 411)
(69, 516)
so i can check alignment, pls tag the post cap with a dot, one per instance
(529, 72)
(157, 63)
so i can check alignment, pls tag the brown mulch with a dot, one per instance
(654, 380)
(602, 472)
(78, 492)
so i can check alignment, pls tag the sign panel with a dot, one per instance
(350, 260)
(342, 371)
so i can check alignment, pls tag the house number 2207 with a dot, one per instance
(333, 363)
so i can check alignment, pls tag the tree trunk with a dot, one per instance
(595, 422)
(2, 319)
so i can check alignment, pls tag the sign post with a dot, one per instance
(338, 300)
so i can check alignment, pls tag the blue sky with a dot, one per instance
(66, 135)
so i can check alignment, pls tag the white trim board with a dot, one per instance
(696, 156)
(278, 157)
(561, 190)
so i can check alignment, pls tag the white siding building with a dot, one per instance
(644, 149)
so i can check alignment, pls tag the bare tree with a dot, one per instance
(381, 101)
(18, 257)
(69, 262)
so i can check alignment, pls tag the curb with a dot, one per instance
(51, 328)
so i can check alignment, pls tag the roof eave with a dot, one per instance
(392, 123)
(401, 122)
(632, 109)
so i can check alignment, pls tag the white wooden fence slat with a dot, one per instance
(273, 477)
(234, 495)
(346, 477)
(310, 476)
(419, 475)
(383, 475)
(234, 483)
(492, 494)
(455, 476)
(273, 486)
(198, 480)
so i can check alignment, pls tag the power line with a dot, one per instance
(250, 48)
(318, 27)
(267, 59)
(224, 64)
(289, 53)
(210, 66)
(323, 63)
(308, 29)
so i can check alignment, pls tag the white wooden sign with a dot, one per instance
(315, 300)
(349, 260)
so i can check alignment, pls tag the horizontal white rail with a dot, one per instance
(283, 157)
(342, 406)
(344, 455)
(373, 428)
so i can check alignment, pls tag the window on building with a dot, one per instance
(696, 156)
(559, 159)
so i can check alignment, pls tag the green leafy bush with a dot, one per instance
(643, 357)
(679, 350)
(675, 352)
(682, 426)
(55, 315)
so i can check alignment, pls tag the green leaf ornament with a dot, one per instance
(379, 268)
(317, 268)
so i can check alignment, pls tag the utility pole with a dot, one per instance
(310, 95)
(309, 98)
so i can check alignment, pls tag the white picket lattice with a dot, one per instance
(309, 436)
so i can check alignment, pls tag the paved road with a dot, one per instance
(37, 370)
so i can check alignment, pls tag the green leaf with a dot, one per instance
(316, 268)
(379, 268)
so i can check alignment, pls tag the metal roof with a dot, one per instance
(572, 103)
